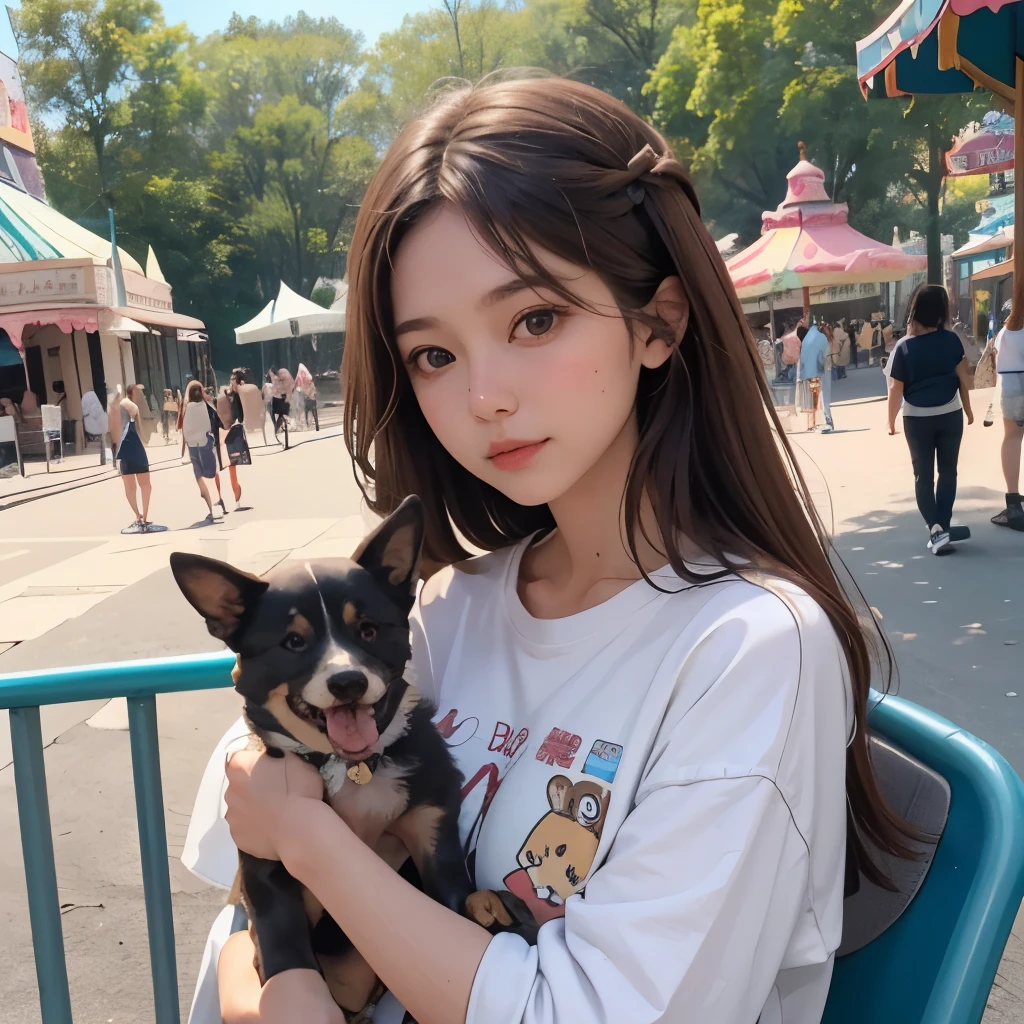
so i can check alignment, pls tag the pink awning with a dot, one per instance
(82, 318)
(88, 318)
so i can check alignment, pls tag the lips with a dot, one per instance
(513, 454)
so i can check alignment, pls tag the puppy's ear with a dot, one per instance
(218, 591)
(392, 552)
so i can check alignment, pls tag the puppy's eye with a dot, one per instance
(294, 642)
(367, 632)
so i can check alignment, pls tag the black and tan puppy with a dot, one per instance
(322, 650)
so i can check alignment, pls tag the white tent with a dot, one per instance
(339, 304)
(289, 316)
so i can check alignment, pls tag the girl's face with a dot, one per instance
(524, 390)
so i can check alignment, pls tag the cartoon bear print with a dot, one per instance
(554, 860)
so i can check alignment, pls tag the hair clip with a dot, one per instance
(644, 161)
(636, 192)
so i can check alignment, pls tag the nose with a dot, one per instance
(347, 686)
(490, 396)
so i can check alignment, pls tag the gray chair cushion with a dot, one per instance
(921, 797)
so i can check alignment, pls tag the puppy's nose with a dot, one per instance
(347, 686)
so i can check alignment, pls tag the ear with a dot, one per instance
(559, 794)
(218, 591)
(392, 552)
(672, 308)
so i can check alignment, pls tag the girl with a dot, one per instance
(539, 330)
(131, 453)
(927, 372)
(1009, 348)
(198, 437)
(236, 443)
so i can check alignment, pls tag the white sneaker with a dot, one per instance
(938, 543)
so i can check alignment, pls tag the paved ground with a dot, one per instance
(95, 596)
(73, 590)
(85, 468)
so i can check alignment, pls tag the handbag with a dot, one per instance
(237, 446)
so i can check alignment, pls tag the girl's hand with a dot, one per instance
(269, 800)
(892, 429)
(970, 417)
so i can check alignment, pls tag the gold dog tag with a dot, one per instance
(359, 773)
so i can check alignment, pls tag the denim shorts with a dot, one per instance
(1011, 398)
(204, 459)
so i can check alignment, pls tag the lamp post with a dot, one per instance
(120, 298)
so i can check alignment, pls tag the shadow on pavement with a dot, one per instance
(955, 623)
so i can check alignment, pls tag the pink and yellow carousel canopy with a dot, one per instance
(808, 243)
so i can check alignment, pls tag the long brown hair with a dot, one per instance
(562, 166)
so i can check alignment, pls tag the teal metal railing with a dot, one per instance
(139, 682)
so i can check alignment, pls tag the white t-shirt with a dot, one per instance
(1009, 351)
(665, 775)
(196, 424)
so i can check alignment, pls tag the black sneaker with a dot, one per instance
(1011, 516)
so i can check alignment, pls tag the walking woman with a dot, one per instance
(131, 453)
(236, 443)
(928, 373)
(198, 437)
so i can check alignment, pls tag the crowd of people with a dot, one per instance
(237, 411)
(200, 418)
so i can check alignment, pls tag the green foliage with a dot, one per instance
(737, 89)
(324, 296)
(242, 157)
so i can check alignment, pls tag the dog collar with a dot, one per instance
(361, 772)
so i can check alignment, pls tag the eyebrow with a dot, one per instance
(492, 298)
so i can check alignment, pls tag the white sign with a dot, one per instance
(45, 286)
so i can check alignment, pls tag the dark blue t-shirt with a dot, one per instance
(926, 364)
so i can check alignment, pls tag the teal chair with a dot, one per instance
(936, 963)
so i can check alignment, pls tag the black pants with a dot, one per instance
(934, 439)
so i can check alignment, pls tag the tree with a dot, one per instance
(82, 60)
(625, 40)
(897, 146)
(739, 87)
(293, 188)
(717, 90)
(460, 40)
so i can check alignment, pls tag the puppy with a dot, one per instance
(322, 648)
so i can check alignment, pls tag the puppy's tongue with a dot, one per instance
(351, 729)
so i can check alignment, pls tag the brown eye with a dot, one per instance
(560, 850)
(294, 642)
(367, 632)
(539, 322)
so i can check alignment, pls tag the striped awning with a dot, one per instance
(31, 230)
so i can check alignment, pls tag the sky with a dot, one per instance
(371, 17)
